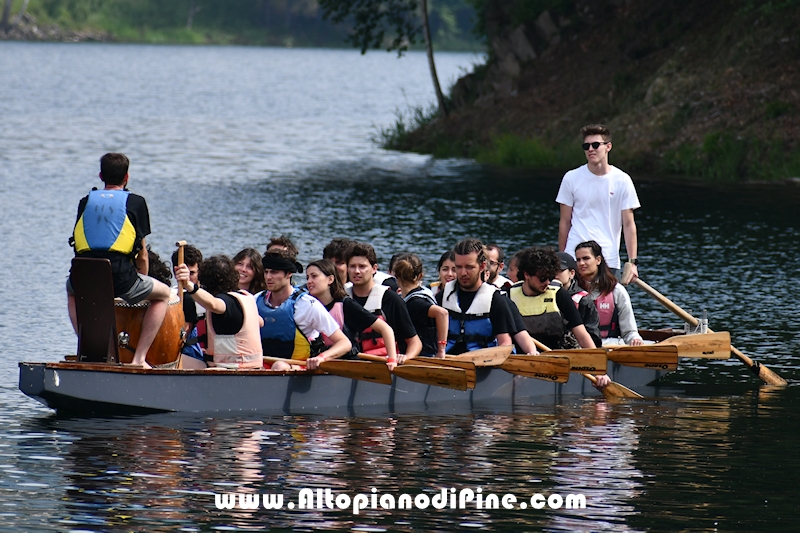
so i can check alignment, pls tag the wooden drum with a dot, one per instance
(166, 347)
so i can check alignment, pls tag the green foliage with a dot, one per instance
(723, 157)
(778, 108)
(395, 136)
(372, 19)
(514, 151)
(270, 22)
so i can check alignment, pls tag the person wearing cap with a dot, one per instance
(565, 277)
(547, 311)
(294, 321)
(597, 203)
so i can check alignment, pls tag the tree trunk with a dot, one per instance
(21, 13)
(6, 13)
(426, 30)
(192, 12)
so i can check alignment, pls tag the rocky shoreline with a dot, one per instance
(26, 28)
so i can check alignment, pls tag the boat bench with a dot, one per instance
(93, 289)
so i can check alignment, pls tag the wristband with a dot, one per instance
(195, 289)
(442, 343)
(391, 360)
(634, 261)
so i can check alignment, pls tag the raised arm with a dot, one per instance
(209, 302)
(564, 225)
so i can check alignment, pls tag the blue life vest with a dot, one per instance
(104, 224)
(472, 327)
(280, 336)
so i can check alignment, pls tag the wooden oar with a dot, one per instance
(361, 370)
(436, 375)
(180, 245)
(765, 374)
(494, 356)
(584, 359)
(702, 346)
(466, 366)
(612, 390)
(546, 367)
(647, 356)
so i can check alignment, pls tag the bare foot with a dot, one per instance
(144, 365)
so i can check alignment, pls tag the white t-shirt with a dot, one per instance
(312, 318)
(597, 204)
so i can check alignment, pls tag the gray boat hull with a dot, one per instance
(97, 388)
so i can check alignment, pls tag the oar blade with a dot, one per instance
(702, 345)
(450, 378)
(360, 370)
(618, 390)
(545, 367)
(494, 356)
(647, 356)
(585, 359)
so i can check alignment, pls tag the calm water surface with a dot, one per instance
(234, 145)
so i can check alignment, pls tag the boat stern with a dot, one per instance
(31, 380)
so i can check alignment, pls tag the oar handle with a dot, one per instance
(370, 357)
(541, 346)
(180, 245)
(297, 362)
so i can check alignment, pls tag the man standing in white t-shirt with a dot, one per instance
(597, 202)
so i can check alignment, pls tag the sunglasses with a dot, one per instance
(594, 145)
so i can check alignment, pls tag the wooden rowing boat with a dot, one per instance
(110, 388)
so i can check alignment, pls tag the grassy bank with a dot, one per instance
(720, 156)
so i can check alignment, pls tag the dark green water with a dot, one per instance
(232, 146)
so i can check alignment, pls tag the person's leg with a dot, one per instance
(71, 309)
(151, 323)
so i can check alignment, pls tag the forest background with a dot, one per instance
(706, 88)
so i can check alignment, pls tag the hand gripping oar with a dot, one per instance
(361, 370)
(180, 245)
(612, 390)
(438, 376)
(765, 374)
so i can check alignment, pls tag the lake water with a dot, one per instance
(232, 146)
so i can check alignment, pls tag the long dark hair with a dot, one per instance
(258, 283)
(327, 268)
(605, 280)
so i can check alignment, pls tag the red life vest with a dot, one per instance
(337, 312)
(578, 296)
(609, 318)
(369, 340)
